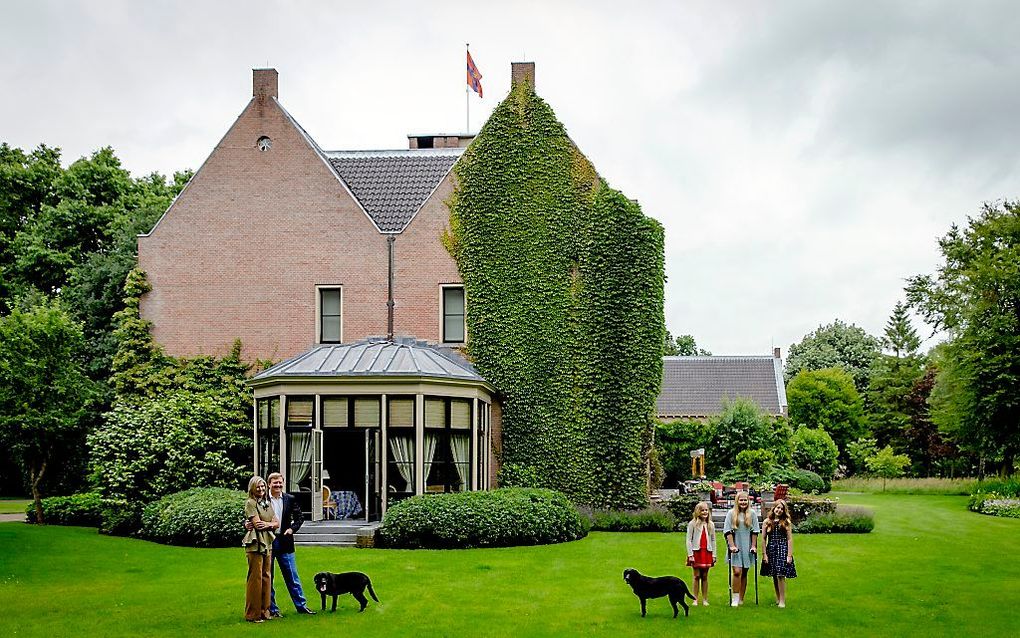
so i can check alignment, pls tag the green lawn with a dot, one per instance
(13, 505)
(930, 568)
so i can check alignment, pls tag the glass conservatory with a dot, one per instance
(355, 427)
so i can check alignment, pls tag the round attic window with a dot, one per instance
(264, 143)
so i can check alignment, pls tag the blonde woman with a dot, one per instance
(258, 547)
(741, 534)
(778, 559)
(701, 549)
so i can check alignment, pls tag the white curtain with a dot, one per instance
(460, 445)
(431, 440)
(300, 458)
(401, 447)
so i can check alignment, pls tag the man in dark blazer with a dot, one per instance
(289, 513)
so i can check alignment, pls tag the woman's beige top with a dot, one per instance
(260, 541)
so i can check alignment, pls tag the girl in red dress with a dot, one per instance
(701, 549)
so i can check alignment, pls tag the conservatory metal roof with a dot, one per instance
(375, 357)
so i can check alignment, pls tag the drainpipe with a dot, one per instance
(389, 300)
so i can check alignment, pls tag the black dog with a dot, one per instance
(646, 587)
(354, 583)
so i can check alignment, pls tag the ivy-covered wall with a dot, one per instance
(564, 282)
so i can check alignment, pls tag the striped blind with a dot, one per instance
(460, 414)
(435, 413)
(366, 413)
(299, 411)
(334, 412)
(402, 412)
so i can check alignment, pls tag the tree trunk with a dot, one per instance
(36, 477)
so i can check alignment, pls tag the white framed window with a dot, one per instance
(329, 317)
(451, 308)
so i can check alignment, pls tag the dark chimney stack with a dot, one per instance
(265, 83)
(775, 353)
(522, 72)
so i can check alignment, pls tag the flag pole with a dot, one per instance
(467, 97)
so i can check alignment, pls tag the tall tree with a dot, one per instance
(975, 297)
(893, 377)
(44, 391)
(900, 335)
(836, 345)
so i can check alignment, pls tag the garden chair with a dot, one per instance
(781, 492)
(328, 504)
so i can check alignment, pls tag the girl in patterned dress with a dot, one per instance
(741, 534)
(778, 559)
(701, 549)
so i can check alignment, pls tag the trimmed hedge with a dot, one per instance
(844, 520)
(498, 518)
(199, 517)
(84, 509)
(649, 519)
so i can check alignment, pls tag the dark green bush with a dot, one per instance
(78, 509)
(682, 507)
(650, 519)
(199, 517)
(844, 520)
(808, 481)
(1006, 487)
(499, 518)
(803, 506)
(119, 518)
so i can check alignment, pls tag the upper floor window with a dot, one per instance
(330, 314)
(453, 314)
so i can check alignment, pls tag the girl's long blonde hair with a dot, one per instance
(779, 522)
(735, 512)
(696, 519)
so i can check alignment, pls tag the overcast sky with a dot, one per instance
(803, 156)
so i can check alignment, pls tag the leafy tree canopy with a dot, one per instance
(44, 392)
(975, 297)
(814, 449)
(836, 345)
(827, 399)
(683, 346)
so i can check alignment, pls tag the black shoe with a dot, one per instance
(305, 610)
(275, 614)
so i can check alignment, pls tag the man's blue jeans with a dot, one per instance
(288, 567)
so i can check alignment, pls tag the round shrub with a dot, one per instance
(78, 509)
(807, 481)
(498, 518)
(120, 518)
(813, 449)
(199, 517)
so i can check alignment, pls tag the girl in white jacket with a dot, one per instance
(701, 549)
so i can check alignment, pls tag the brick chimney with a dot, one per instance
(775, 353)
(265, 83)
(522, 72)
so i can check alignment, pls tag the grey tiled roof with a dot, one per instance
(697, 386)
(375, 356)
(392, 185)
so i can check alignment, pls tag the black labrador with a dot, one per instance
(354, 583)
(646, 587)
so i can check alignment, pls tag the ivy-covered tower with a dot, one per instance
(564, 281)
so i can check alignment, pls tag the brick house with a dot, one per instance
(309, 256)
